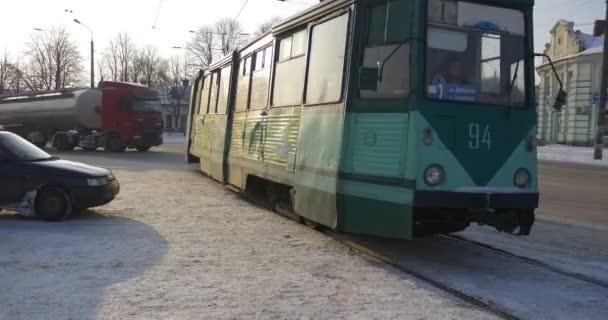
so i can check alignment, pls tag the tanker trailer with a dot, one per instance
(115, 116)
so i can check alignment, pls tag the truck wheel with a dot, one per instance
(143, 149)
(62, 144)
(53, 204)
(115, 144)
(89, 148)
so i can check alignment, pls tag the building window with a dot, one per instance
(326, 64)
(169, 122)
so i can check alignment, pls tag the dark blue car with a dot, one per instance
(36, 183)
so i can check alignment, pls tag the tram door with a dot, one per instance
(220, 127)
(377, 124)
(195, 100)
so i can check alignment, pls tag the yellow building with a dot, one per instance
(578, 60)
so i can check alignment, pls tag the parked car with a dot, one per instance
(36, 183)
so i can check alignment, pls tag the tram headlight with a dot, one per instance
(521, 179)
(434, 175)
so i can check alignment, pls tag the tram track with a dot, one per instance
(528, 260)
(496, 281)
(490, 307)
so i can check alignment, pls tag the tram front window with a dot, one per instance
(475, 53)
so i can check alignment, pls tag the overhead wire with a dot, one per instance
(160, 4)
(241, 10)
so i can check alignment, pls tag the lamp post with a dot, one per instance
(92, 53)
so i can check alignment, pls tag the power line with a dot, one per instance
(160, 4)
(242, 7)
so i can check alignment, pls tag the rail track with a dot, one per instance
(491, 303)
(531, 261)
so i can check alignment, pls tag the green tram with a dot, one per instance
(395, 118)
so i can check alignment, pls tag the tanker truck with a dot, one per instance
(115, 116)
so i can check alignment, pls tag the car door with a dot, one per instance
(11, 178)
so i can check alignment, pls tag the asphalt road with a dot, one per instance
(574, 194)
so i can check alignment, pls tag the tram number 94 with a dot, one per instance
(480, 137)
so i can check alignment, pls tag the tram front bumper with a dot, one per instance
(506, 211)
(476, 200)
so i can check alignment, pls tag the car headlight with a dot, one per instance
(434, 175)
(94, 182)
(521, 179)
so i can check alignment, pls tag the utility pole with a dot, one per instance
(92, 53)
(601, 28)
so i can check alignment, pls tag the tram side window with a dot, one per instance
(213, 94)
(387, 50)
(326, 64)
(246, 66)
(195, 97)
(224, 88)
(204, 101)
(260, 79)
(243, 85)
(289, 70)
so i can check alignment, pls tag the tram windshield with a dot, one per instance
(475, 53)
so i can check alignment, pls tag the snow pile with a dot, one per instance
(563, 153)
(173, 138)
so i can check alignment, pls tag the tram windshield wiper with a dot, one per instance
(510, 90)
(390, 55)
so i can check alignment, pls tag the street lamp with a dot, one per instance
(38, 29)
(92, 53)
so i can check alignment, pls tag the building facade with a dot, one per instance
(578, 60)
(174, 109)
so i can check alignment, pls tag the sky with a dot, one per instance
(165, 23)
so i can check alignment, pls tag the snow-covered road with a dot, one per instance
(176, 245)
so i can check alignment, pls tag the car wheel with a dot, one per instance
(53, 204)
(115, 144)
(143, 149)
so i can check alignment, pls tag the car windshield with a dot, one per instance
(21, 149)
(475, 53)
(146, 106)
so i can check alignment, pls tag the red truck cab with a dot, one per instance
(133, 112)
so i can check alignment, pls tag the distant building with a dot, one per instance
(578, 61)
(174, 112)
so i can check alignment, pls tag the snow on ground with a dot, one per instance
(176, 245)
(570, 154)
(173, 138)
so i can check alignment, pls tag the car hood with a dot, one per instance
(72, 169)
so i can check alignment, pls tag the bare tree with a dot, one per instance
(6, 72)
(230, 35)
(150, 60)
(53, 61)
(126, 51)
(111, 61)
(118, 57)
(200, 49)
(266, 26)
(173, 85)
(212, 41)
(136, 70)
(102, 69)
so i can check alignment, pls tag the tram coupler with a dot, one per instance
(507, 221)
